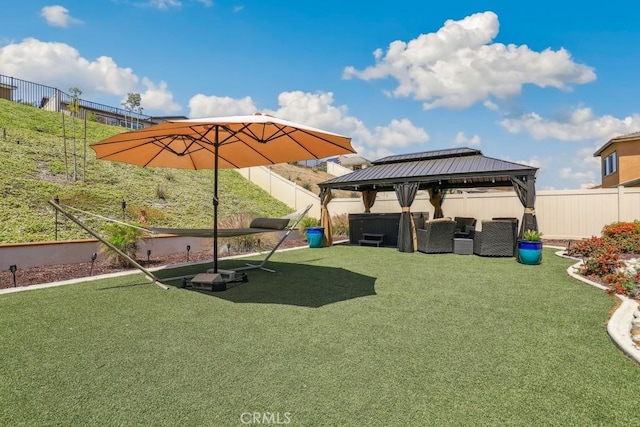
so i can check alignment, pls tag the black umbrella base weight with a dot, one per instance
(217, 282)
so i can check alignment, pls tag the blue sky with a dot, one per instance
(543, 83)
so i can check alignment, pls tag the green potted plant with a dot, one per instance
(315, 234)
(530, 247)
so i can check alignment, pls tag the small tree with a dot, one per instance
(132, 104)
(74, 108)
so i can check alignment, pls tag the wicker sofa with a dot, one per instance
(497, 238)
(436, 236)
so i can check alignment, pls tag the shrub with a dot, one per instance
(248, 242)
(602, 257)
(621, 229)
(125, 239)
(161, 192)
(624, 237)
(623, 283)
(307, 222)
(587, 247)
(340, 224)
(601, 264)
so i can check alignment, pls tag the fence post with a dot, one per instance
(621, 195)
(464, 203)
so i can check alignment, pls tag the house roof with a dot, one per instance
(622, 138)
(631, 183)
(449, 168)
(352, 160)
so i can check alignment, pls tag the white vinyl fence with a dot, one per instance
(561, 214)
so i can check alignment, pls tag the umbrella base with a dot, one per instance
(227, 275)
(217, 282)
(209, 282)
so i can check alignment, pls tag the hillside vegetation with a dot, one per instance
(32, 160)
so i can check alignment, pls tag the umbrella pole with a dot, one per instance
(215, 203)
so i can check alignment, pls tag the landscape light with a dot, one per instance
(12, 269)
(93, 260)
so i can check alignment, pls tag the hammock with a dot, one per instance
(257, 225)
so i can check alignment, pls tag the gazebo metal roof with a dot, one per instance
(448, 168)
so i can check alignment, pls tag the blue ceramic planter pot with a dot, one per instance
(315, 236)
(529, 253)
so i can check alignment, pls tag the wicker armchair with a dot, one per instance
(497, 238)
(515, 223)
(436, 236)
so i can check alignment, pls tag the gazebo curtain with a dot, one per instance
(525, 188)
(436, 197)
(325, 218)
(407, 237)
(368, 199)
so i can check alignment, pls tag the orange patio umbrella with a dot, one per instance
(221, 142)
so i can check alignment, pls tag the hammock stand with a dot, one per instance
(133, 262)
(214, 281)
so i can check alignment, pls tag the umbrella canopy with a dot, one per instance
(221, 142)
(239, 141)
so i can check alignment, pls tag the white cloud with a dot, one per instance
(587, 168)
(215, 106)
(587, 159)
(534, 161)
(581, 124)
(67, 68)
(582, 176)
(462, 139)
(167, 4)
(157, 97)
(58, 16)
(458, 65)
(490, 105)
(237, 9)
(318, 110)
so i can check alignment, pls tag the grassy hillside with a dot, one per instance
(32, 160)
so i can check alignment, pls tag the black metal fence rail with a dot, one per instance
(53, 99)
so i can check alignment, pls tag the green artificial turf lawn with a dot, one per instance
(343, 336)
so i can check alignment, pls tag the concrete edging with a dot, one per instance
(619, 324)
(126, 273)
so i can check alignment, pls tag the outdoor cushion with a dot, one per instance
(463, 221)
(269, 223)
(446, 218)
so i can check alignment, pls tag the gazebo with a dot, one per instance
(434, 171)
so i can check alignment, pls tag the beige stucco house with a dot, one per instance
(620, 161)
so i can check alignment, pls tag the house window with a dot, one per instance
(610, 164)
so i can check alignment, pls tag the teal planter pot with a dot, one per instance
(529, 252)
(315, 236)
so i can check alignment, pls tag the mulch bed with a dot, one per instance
(61, 272)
